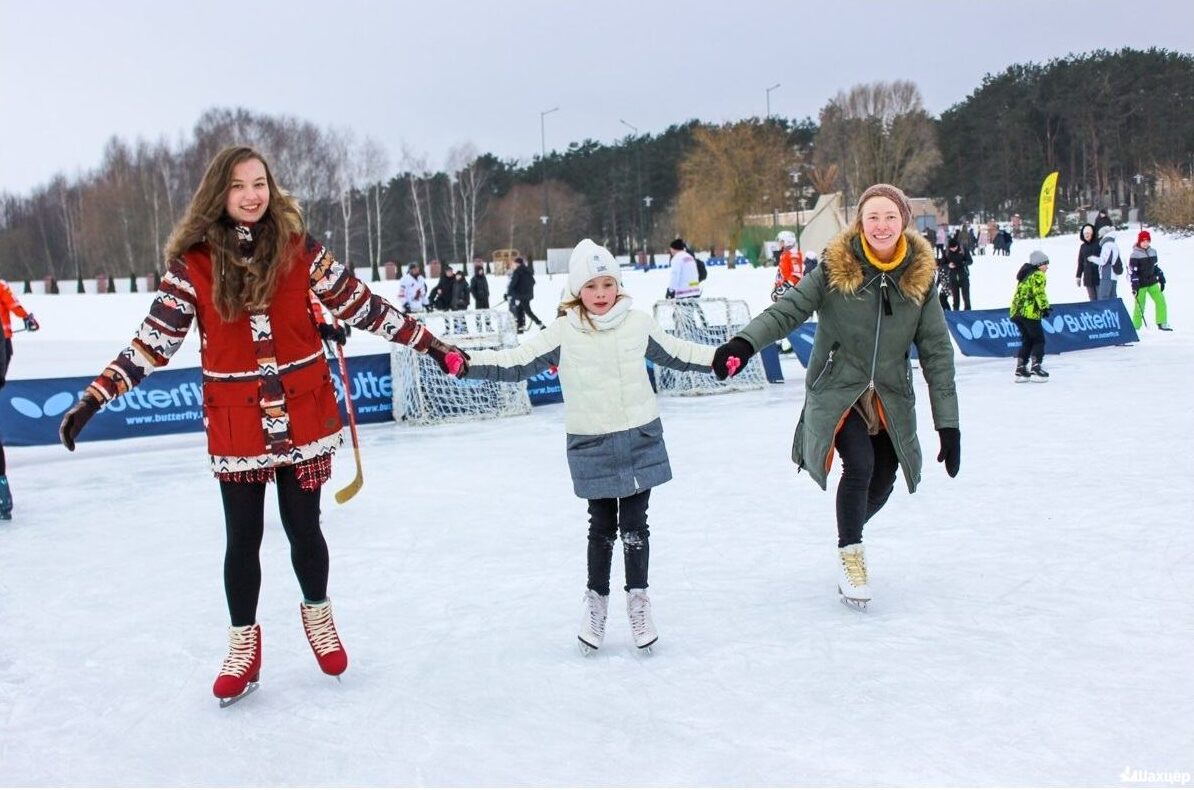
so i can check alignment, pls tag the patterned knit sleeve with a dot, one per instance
(156, 340)
(350, 300)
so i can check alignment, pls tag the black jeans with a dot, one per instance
(1032, 338)
(960, 291)
(869, 465)
(606, 517)
(244, 524)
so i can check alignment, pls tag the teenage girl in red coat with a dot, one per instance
(242, 266)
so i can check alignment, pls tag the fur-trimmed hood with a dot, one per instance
(844, 266)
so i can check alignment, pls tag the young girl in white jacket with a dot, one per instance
(616, 453)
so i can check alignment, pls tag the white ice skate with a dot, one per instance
(638, 608)
(592, 625)
(853, 584)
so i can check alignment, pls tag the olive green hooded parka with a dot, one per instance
(867, 320)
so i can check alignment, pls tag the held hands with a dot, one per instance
(31, 324)
(951, 450)
(451, 360)
(74, 420)
(336, 334)
(736, 349)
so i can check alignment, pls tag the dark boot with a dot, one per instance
(1038, 373)
(5, 499)
(1022, 374)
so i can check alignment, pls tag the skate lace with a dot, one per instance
(639, 612)
(321, 630)
(596, 617)
(242, 645)
(855, 565)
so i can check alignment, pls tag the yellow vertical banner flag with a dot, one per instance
(1048, 193)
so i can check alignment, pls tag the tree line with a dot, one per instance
(1119, 126)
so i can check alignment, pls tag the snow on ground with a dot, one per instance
(1032, 622)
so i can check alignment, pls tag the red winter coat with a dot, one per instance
(248, 402)
(9, 304)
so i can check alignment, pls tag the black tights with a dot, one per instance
(606, 516)
(869, 465)
(244, 523)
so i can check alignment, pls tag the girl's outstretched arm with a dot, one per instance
(533, 356)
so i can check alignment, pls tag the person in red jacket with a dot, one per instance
(241, 266)
(791, 265)
(9, 306)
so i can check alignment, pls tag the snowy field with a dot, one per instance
(1032, 623)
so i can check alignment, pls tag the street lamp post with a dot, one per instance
(543, 162)
(773, 87)
(1139, 194)
(647, 240)
(638, 178)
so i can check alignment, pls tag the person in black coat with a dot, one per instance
(479, 286)
(957, 262)
(460, 292)
(440, 297)
(1088, 271)
(520, 293)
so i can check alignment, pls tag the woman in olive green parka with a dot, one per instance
(873, 296)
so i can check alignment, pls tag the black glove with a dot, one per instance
(951, 450)
(1048, 311)
(334, 333)
(406, 307)
(734, 347)
(669, 294)
(439, 350)
(31, 323)
(74, 420)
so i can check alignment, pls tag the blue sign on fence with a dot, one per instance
(1069, 327)
(169, 401)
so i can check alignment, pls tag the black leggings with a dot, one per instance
(244, 523)
(869, 465)
(606, 516)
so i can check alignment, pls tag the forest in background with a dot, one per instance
(1118, 126)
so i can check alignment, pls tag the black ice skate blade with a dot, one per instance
(648, 650)
(1039, 380)
(228, 701)
(585, 648)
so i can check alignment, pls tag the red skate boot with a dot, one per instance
(239, 675)
(321, 633)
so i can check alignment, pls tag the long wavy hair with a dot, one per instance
(238, 283)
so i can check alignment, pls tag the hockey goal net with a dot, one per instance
(710, 322)
(425, 395)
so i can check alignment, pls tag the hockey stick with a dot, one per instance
(350, 490)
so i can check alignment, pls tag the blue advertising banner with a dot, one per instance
(545, 388)
(1069, 327)
(169, 401)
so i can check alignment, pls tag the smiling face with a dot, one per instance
(882, 225)
(599, 294)
(248, 192)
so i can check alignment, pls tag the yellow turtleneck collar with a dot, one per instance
(901, 250)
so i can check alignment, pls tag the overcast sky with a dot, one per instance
(436, 73)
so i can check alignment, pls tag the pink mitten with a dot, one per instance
(732, 365)
(454, 361)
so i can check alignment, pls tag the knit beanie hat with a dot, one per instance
(1038, 258)
(894, 194)
(589, 260)
(1143, 237)
(1106, 231)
